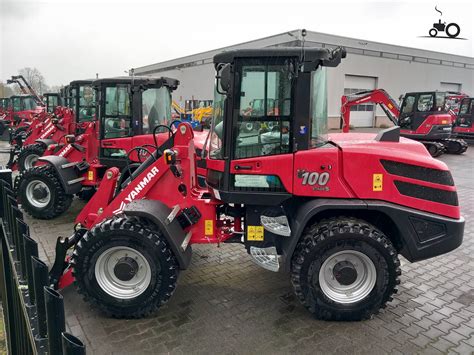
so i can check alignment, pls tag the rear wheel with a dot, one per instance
(125, 267)
(344, 269)
(41, 194)
(29, 155)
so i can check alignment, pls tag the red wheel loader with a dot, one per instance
(50, 128)
(423, 116)
(130, 112)
(332, 211)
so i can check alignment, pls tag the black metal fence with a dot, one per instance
(33, 311)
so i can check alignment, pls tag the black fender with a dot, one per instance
(157, 213)
(421, 235)
(305, 213)
(46, 142)
(67, 173)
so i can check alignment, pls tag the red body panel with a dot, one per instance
(441, 119)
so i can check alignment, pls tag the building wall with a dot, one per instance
(397, 69)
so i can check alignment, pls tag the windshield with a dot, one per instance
(29, 103)
(52, 102)
(156, 108)
(86, 103)
(71, 102)
(117, 115)
(16, 104)
(4, 103)
(319, 107)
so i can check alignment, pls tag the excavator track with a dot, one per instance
(434, 148)
(454, 145)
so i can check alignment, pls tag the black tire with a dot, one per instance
(27, 152)
(130, 233)
(433, 32)
(59, 201)
(455, 34)
(342, 234)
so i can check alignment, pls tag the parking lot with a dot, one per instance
(224, 303)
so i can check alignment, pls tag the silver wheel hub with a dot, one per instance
(122, 272)
(30, 161)
(38, 193)
(347, 276)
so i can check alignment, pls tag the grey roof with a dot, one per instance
(318, 39)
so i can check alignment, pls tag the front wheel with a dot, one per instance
(41, 194)
(29, 155)
(124, 267)
(433, 32)
(344, 269)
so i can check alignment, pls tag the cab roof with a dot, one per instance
(311, 54)
(139, 80)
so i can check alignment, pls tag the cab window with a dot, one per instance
(263, 122)
(408, 104)
(156, 108)
(86, 103)
(16, 104)
(466, 107)
(117, 118)
(425, 103)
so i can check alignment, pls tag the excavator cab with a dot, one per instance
(248, 168)
(428, 109)
(466, 113)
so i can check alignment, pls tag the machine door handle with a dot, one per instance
(243, 167)
(109, 144)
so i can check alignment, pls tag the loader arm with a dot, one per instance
(377, 96)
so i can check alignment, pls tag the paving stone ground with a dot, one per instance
(225, 303)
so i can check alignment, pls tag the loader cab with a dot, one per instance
(129, 108)
(416, 107)
(52, 100)
(82, 100)
(290, 86)
(466, 113)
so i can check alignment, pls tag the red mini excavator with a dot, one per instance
(333, 211)
(423, 117)
(463, 127)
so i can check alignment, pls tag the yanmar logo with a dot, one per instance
(65, 150)
(137, 189)
(46, 133)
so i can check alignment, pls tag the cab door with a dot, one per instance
(116, 129)
(407, 112)
(261, 164)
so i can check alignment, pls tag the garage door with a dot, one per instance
(361, 115)
(450, 87)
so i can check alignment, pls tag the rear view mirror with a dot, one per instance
(224, 78)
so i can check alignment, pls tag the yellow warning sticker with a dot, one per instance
(90, 175)
(255, 233)
(377, 182)
(209, 227)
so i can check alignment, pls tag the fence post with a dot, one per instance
(31, 249)
(40, 280)
(55, 319)
(72, 345)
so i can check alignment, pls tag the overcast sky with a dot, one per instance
(69, 40)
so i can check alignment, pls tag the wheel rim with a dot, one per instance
(123, 272)
(347, 276)
(38, 193)
(249, 126)
(30, 161)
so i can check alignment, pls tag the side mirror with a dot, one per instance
(225, 77)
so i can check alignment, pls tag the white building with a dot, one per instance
(368, 65)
